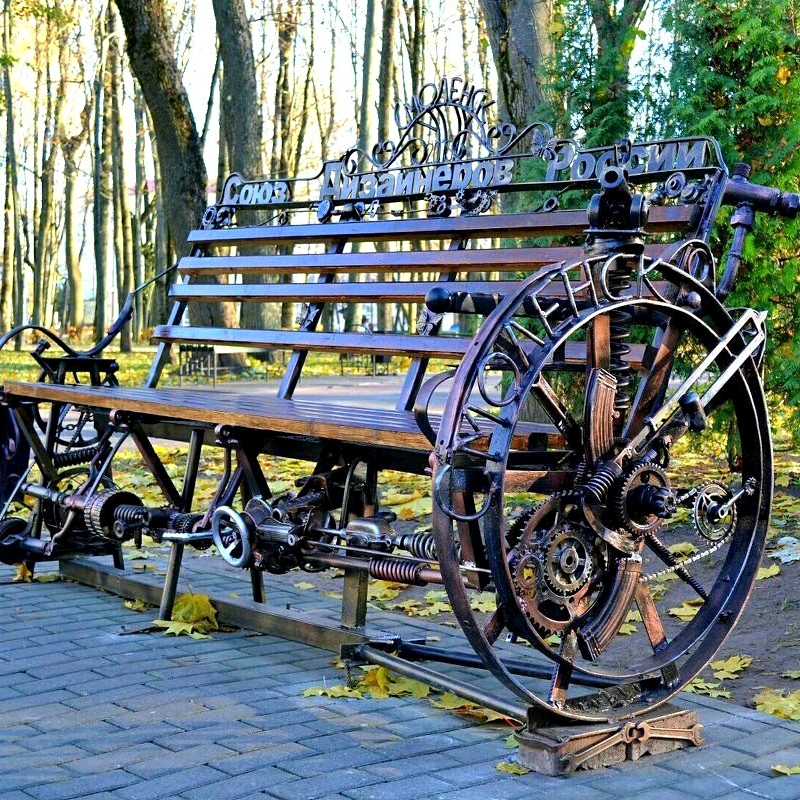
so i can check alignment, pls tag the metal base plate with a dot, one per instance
(562, 750)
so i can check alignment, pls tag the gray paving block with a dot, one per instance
(419, 745)
(226, 734)
(249, 784)
(266, 757)
(323, 763)
(408, 788)
(10, 780)
(116, 737)
(261, 738)
(168, 762)
(114, 759)
(82, 786)
(170, 785)
(436, 764)
(638, 775)
(216, 716)
(340, 781)
(717, 782)
(777, 788)
(789, 756)
(767, 742)
(40, 757)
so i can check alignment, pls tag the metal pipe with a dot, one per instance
(443, 682)
(513, 665)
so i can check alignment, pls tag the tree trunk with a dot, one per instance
(240, 113)
(102, 187)
(123, 233)
(239, 102)
(519, 35)
(610, 116)
(11, 310)
(151, 51)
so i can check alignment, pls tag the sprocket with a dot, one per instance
(710, 520)
(553, 564)
(644, 499)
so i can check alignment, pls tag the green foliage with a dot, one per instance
(736, 76)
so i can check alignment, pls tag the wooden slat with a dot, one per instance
(400, 344)
(369, 343)
(554, 223)
(393, 292)
(510, 258)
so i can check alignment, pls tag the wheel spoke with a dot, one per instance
(598, 342)
(653, 386)
(562, 674)
(655, 630)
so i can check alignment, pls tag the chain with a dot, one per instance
(686, 561)
(693, 492)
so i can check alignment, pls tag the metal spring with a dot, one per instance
(130, 513)
(619, 334)
(599, 484)
(72, 458)
(396, 570)
(421, 545)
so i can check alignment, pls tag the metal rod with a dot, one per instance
(513, 665)
(443, 682)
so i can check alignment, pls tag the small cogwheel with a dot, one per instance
(644, 499)
(713, 518)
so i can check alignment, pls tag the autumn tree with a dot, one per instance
(151, 51)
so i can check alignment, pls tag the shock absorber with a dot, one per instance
(619, 333)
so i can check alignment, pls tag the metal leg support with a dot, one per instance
(354, 599)
(171, 581)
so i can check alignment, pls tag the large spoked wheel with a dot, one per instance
(605, 457)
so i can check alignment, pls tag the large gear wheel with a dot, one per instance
(99, 510)
(552, 565)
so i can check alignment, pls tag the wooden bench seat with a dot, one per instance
(372, 426)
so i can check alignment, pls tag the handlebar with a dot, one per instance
(749, 198)
(739, 190)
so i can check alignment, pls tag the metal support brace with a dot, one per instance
(354, 599)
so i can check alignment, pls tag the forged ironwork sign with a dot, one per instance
(448, 148)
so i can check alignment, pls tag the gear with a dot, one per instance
(553, 564)
(644, 499)
(100, 508)
(713, 518)
(185, 522)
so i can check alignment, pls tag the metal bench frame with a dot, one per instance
(603, 244)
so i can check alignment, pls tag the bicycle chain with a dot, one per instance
(689, 560)
(697, 556)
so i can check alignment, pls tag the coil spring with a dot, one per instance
(130, 513)
(598, 485)
(619, 333)
(72, 458)
(396, 570)
(421, 545)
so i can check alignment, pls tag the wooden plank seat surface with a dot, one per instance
(378, 426)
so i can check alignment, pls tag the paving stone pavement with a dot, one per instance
(90, 710)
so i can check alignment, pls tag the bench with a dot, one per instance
(552, 435)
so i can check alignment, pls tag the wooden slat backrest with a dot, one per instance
(382, 234)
